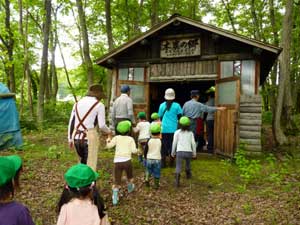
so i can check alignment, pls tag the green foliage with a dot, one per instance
(276, 171)
(267, 117)
(249, 168)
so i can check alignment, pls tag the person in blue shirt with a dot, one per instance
(194, 109)
(169, 113)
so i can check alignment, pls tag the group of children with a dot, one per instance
(149, 151)
(80, 202)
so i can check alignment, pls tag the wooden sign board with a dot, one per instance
(180, 48)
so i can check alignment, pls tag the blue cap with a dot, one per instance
(194, 92)
(125, 89)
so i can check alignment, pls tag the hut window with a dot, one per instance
(227, 93)
(137, 93)
(248, 77)
(131, 73)
(230, 68)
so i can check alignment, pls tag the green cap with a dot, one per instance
(211, 89)
(16, 160)
(80, 175)
(155, 128)
(124, 126)
(8, 169)
(184, 121)
(154, 116)
(141, 115)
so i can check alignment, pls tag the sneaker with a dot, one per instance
(115, 197)
(130, 187)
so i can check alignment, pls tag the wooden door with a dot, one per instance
(226, 122)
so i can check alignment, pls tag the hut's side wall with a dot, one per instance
(250, 123)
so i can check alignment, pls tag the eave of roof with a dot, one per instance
(207, 27)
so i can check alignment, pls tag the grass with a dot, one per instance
(216, 194)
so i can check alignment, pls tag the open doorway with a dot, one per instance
(182, 90)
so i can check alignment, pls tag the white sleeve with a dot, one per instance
(70, 128)
(101, 118)
(174, 144)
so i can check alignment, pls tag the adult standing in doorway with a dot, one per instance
(122, 107)
(86, 114)
(210, 120)
(194, 109)
(169, 113)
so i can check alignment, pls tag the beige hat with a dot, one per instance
(169, 94)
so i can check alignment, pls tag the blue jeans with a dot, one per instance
(153, 167)
(187, 156)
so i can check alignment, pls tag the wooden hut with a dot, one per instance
(185, 54)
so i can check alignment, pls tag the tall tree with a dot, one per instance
(284, 74)
(53, 81)
(154, 12)
(44, 62)
(229, 12)
(86, 50)
(110, 43)
(7, 40)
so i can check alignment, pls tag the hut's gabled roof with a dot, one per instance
(271, 50)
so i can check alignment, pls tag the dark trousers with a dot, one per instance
(82, 150)
(167, 141)
(210, 135)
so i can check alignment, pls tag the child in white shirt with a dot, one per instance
(125, 146)
(153, 156)
(184, 147)
(143, 128)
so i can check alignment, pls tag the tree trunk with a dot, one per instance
(86, 51)
(274, 72)
(109, 34)
(284, 74)
(136, 27)
(79, 36)
(53, 81)
(257, 33)
(65, 68)
(154, 14)
(229, 15)
(27, 69)
(193, 7)
(110, 43)
(44, 63)
(8, 42)
(20, 3)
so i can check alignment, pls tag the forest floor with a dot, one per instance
(218, 193)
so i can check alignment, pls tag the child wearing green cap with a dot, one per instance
(143, 128)
(11, 212)
(80, 202)
(124, 147)
(153, 156)
(156, 119)
(184, 147)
